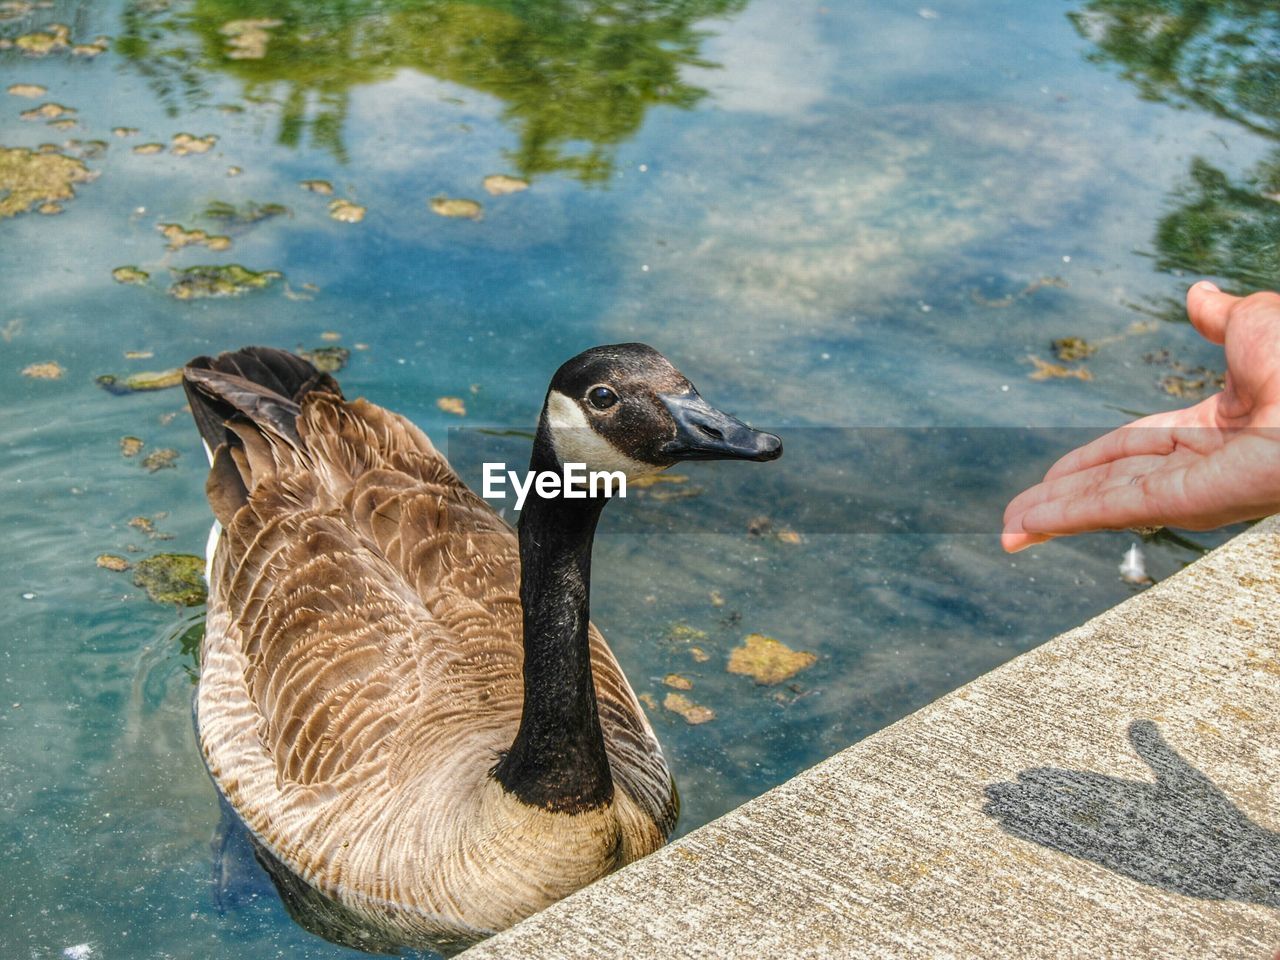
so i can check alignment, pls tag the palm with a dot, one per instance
(1197, 468)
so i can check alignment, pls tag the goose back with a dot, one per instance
(361, 675)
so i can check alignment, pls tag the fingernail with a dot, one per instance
(1209, 285)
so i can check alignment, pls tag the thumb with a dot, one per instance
(1208, 307)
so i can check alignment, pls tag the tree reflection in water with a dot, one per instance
(1223, 57)
(575, 77)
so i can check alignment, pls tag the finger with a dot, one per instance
(1209, 308)
(1082, 486)
(1012, 542)
(1152, 493)
(1165, 762)
(1087, 482)
(1158, 434)
(1149, 436)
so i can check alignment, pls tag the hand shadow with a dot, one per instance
(1180, 833)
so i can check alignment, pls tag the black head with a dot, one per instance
(625, 407)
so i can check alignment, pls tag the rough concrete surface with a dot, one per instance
(1113, 793)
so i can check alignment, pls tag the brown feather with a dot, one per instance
(362, 671)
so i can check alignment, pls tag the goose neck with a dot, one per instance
(557, 760)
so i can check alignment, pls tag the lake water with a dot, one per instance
(860, 225)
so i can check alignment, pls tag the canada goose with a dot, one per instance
(405, 703)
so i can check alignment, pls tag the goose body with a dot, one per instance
(405, 724)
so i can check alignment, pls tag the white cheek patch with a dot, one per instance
(576, 442)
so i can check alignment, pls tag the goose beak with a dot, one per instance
(705, 433)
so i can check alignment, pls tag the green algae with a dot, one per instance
(456, 207)
(163, 459)
(683, 633)
(184, 144)
(46, 111)
(179, 237)
(1071, 349)
(346, 212)
(50, 370)
(34, 180)
(130, 275)
(228, 280)
(693, 713)
(768, 661)
(41, 43)
(500, 184)
(141, 382)
(244, 215)
(172, 578)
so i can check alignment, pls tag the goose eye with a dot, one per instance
(602, 398)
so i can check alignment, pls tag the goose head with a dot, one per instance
(625, 407)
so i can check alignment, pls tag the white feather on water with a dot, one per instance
(1133, 568)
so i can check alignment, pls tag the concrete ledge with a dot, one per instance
(1113, 793)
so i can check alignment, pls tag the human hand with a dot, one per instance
(1214, 463)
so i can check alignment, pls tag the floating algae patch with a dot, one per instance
(139, 382)
(99, 45)
(147, 149)
(455, 207)
(244, 215)
(1177, 385)
(768, 661)
(131, 446)
(172, 578)
(683, 633)
(125, 131)
(37, 180)
(677, 681)
(229, 280)
(179, 237)
(31, 90)
(51, 370)
(47, 111)
(322, 187)
(346, 211)
(327, 359)
(499, 184)
(130, 275)
(86, 149)
(452, 405)
(110, 561)
(693, 713)
(163, 459)
(148, 526)
(186, 143)
(57, 36)
(1071, 349)
(1055, 371)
